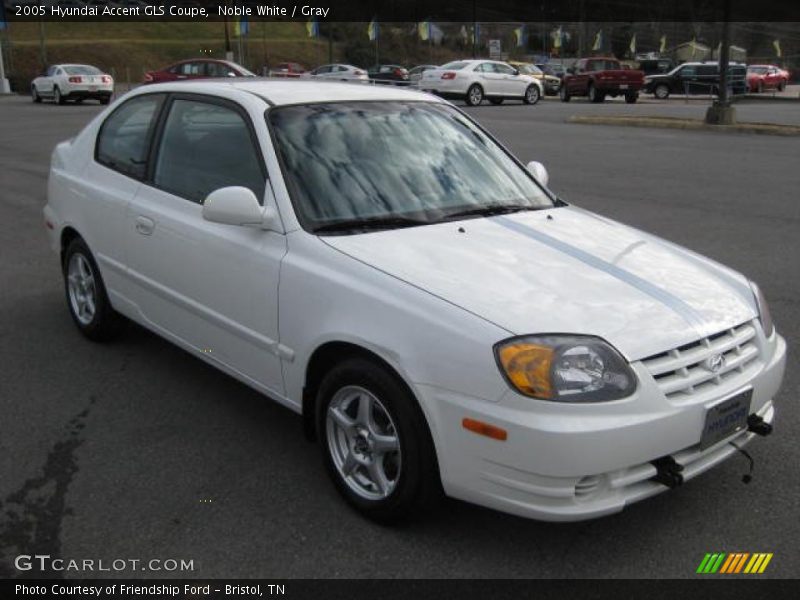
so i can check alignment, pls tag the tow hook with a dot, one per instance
(758, 425)
(668, 472)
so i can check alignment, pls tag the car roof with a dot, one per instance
(285, 92)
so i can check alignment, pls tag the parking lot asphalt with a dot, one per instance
(137, 449)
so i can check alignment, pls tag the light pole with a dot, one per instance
(721, 112)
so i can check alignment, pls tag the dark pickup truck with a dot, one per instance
(597, 78)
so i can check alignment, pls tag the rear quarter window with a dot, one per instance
(124, 138)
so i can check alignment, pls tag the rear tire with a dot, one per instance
(375, 442)
(496, 101)
(563, 94)
(532, 95)
(105, 101)
(594, 95)
(57, 97)
(474, 95)
(86, 295)
(631, 98)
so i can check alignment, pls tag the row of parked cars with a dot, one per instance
(473, 80)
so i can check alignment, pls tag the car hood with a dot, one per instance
(564, 270)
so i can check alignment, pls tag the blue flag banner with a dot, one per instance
(3, 23)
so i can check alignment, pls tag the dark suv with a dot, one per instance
(695, 78)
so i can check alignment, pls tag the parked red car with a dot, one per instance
(201, 68)
(766, 77)
(598, 77)
(287, 69)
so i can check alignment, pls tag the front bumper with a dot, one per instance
(570, 462)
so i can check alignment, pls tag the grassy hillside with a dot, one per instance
(127, 50)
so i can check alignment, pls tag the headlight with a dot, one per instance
(565, 368)
(763, 310)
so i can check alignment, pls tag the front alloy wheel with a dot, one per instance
(363, 443)
(375, 441)
(531, 94)
(661, 92)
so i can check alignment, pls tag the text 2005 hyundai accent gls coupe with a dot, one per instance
(376, 261)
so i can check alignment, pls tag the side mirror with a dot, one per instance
(538, 171)
(516, 71)
(237, 206)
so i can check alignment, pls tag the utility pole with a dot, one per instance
(4, 87)
(330, 43)
(42, 44)
(721, 112)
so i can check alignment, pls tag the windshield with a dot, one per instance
(416, 161)
(759, 70)
(82, 70)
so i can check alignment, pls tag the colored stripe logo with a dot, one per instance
(735, 562)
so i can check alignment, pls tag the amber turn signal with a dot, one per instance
(481, 428)
(527, 366)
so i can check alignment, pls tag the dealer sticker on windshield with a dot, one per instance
(726, 418)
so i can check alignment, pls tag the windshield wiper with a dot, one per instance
(489, 210)
(393, 222)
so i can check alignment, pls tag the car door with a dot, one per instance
(110, 181)
(513, 84)
(211, 286)
(771, 79)
(686, 80)
(578, 79)
(489, 78)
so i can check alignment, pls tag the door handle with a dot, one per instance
(145, 226)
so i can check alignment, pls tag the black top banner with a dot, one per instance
(408, 10)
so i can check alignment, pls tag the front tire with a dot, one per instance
(631, 98)
(35, 95)
(782, 85)
(86, 295)
(532, 95)
(474, 95)
(760, 88)
(661, 91)
(375, 442)
(563, 94)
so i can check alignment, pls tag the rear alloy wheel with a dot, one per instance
(563, 94)
(35, 95)
(532, 95)
(662, 91)
(594, 95)
(375, 442)
(496, 101)
(57, 97)
(474, 95)
(86, 295)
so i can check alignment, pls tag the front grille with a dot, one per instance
(683, 371)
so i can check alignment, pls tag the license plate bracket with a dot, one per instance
(726, 418)
(623, 86)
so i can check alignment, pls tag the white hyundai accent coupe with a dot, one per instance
(373, 259)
